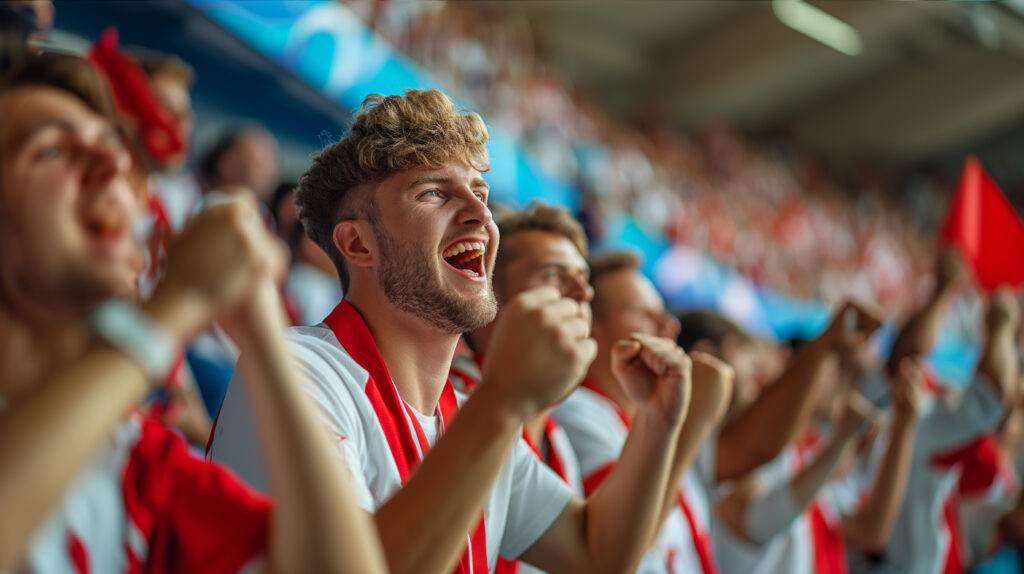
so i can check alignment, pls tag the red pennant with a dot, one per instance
(135, 99)
(984, 226)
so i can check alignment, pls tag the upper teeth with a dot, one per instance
(461, 247)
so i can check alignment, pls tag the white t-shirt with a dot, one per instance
(598, 432)
(921, 538)
(525, 499)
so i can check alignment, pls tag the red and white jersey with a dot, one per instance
(597, 430)
(988, 488)
(525, 499)
(928, 535)
(146, 504)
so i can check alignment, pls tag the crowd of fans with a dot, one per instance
(525, 408)
(767, 209)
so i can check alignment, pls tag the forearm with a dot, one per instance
(316, 525)
(778, 416)
(998, 363)
(423, 527)
(869, 528)
(695, 431)
(806, 486)
(48, 437)
(622, 514)
(918, 336)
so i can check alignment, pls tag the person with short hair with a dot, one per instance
(86, 483)
(600, 414)
(400, 205)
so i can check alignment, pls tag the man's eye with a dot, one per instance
(49, 152)
(434, 193)
(481, 196)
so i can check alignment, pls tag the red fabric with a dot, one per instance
(954, 563)
(980, 461)
(701, 538)
(986, 229)
(594, 479)
(79, 555)
(829, 546)
(553, 460)
(405, 437)
(196, 517)
(135, 98)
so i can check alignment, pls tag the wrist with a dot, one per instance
(178, 313)
(126, 328)
(658, 421)
(506, 410)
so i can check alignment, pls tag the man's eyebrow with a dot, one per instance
(430, 179)
(444, 179)
(33, 130)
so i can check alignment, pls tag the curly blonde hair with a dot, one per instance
(389, 134)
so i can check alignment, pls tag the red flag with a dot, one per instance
(986, 229)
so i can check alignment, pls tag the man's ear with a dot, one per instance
(356, 242)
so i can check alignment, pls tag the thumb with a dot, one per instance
(624, 351)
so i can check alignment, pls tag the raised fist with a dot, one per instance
(852, 326)
(859, 416)
(540, 350)
(656, 374)
(908, 389)
(218, 258)
(950, 270)
(711, 387)
(1003, 309)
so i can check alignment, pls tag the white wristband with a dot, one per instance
(124, 326)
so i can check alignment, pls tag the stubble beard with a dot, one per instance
(412, 285)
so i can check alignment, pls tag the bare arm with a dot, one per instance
(712, 388)
(316, 525)
(784, 409)
(999, 360)
(870, 526)
(614, 528)
(918, 336)
(453, 482)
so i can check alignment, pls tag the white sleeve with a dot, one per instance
(594, 430)
(537, 497)
(234, 443)
(770, 513)
(948, 427)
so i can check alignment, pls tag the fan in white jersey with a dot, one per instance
(928, 537)
(84, 487)
(599, 416)
(540, 245)
(400, 205)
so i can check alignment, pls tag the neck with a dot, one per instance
(535, 427)
(417, 356)
(481, 338)
(32, 341)
(601, 375)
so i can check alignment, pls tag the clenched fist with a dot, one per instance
(656, 374)
(539, 352)
(218, 259)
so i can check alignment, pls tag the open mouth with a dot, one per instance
(103, 226)
(466, 257)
